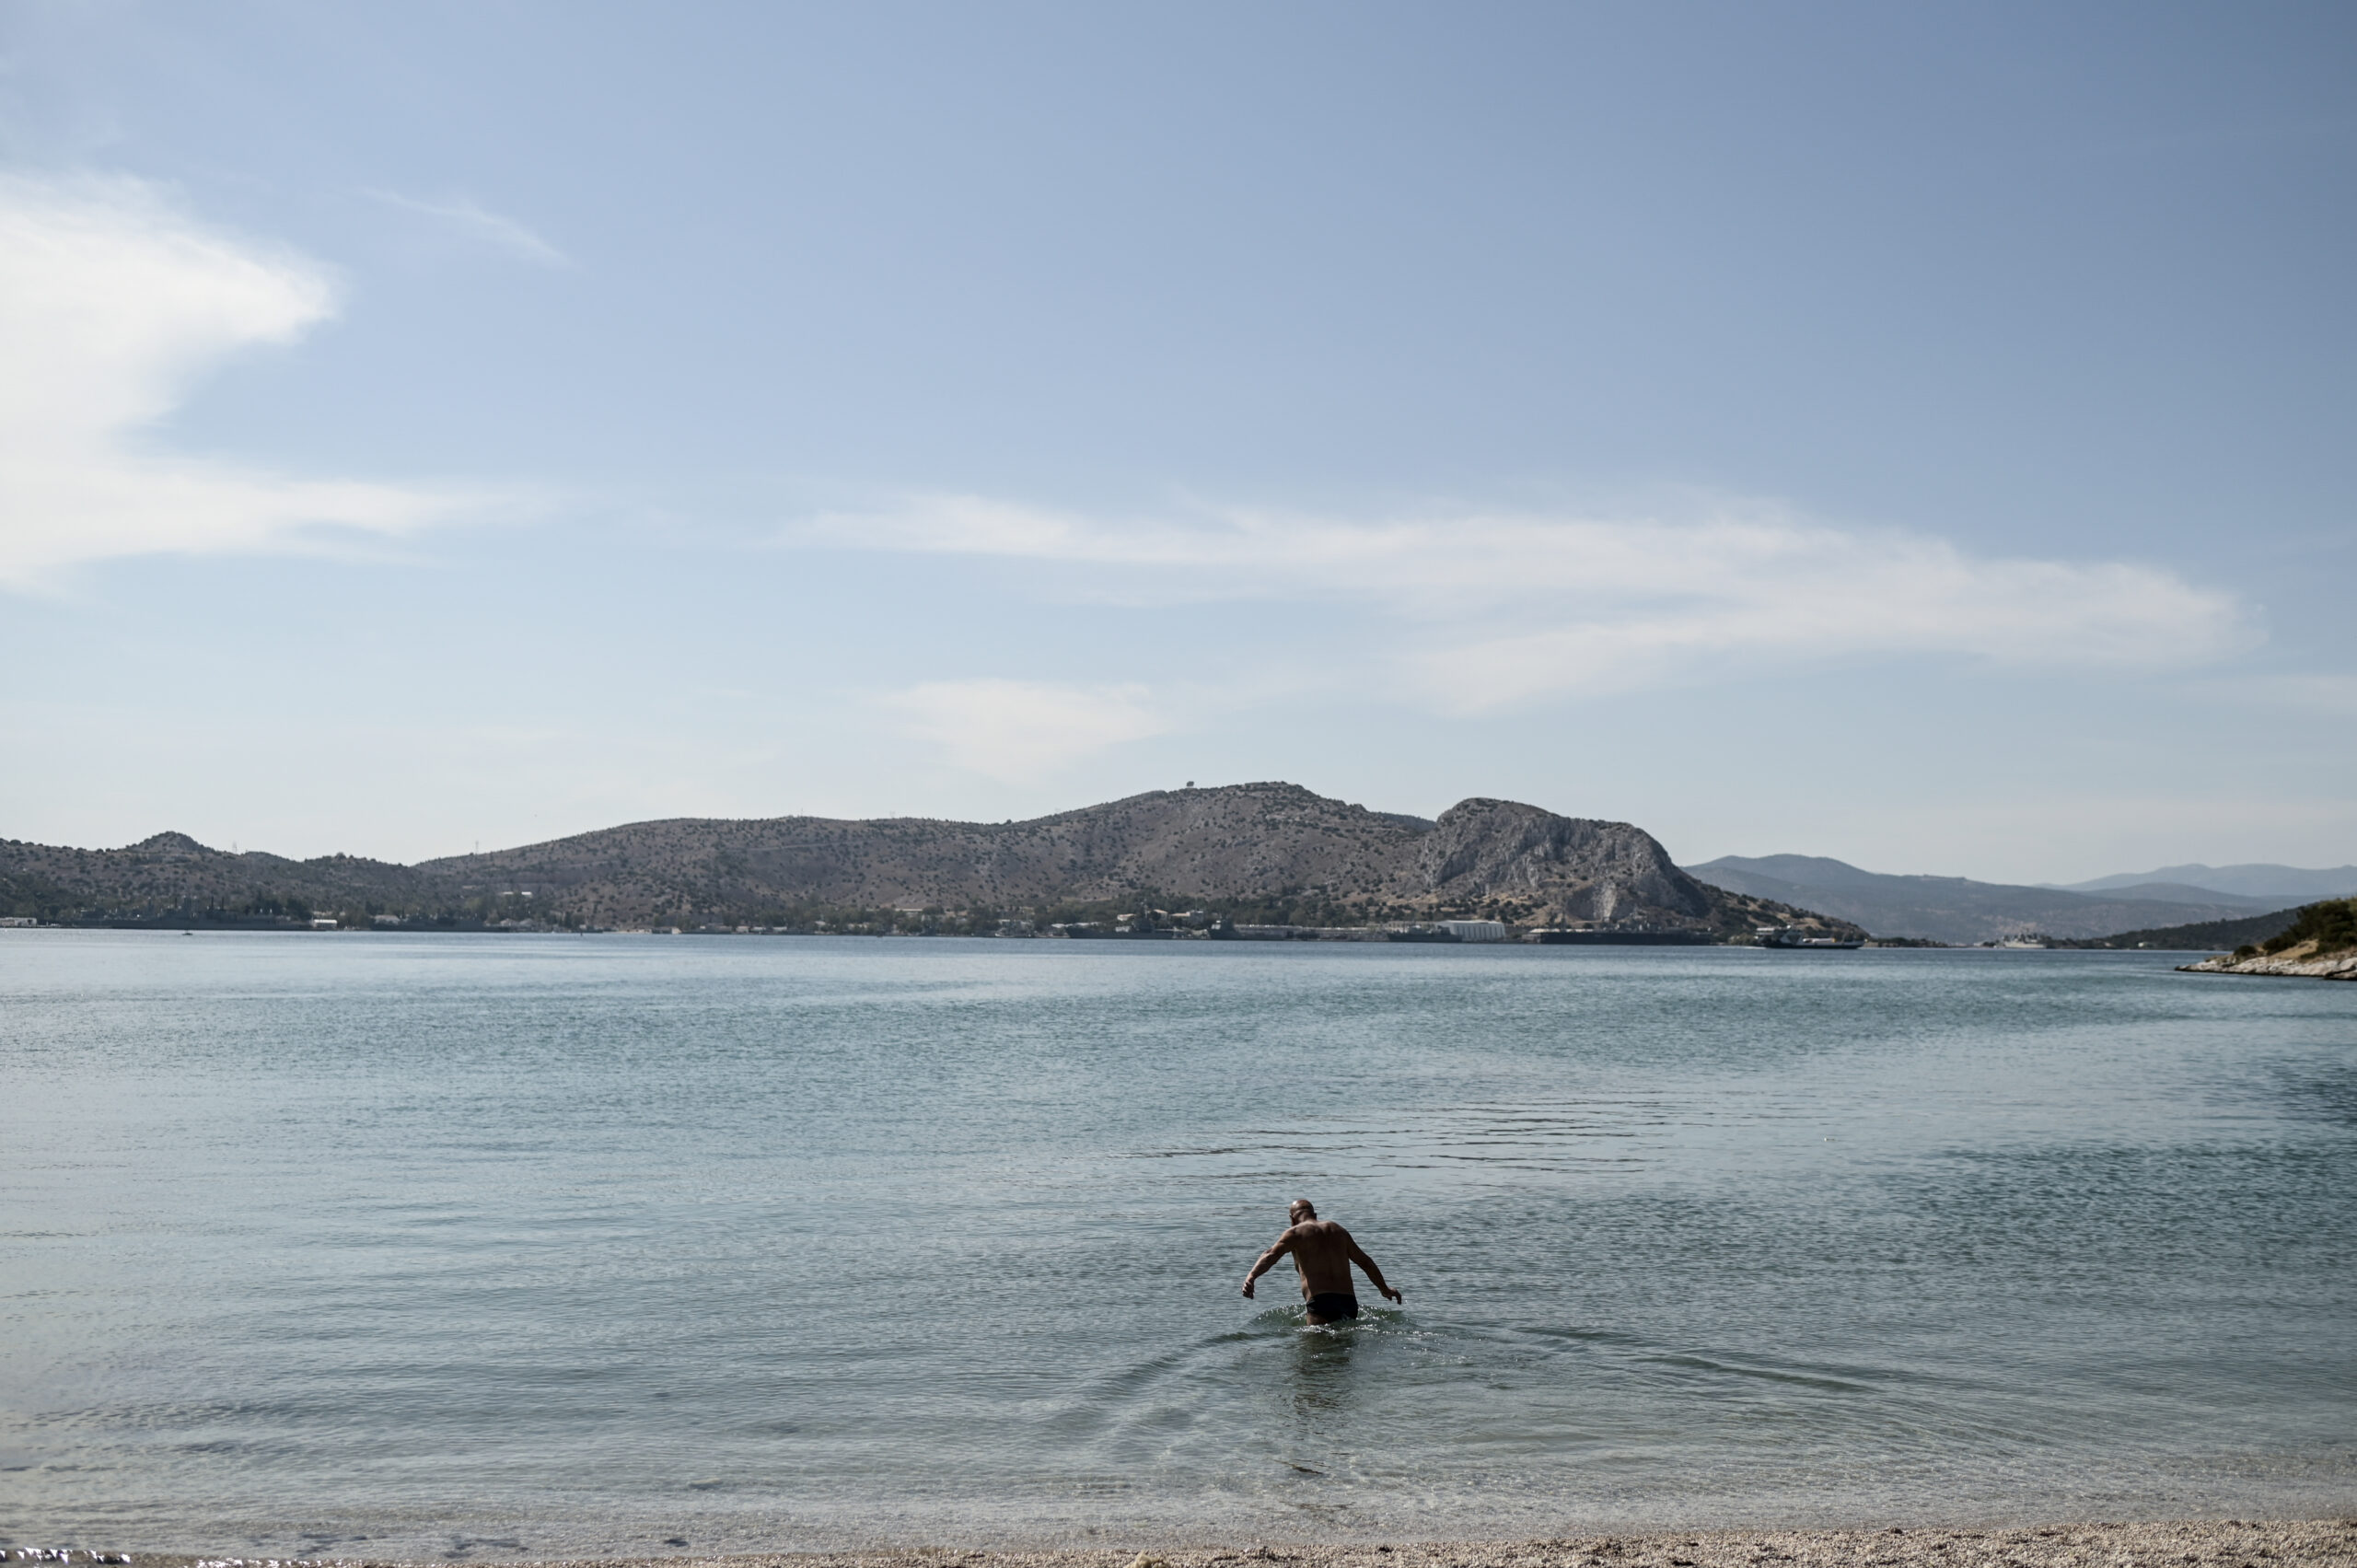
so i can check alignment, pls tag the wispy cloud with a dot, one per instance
(469, 220)
(1503, 608)
(1019, 731)
(111, 302)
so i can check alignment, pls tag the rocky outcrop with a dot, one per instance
(2319, 943)
(1572, 868)
(2297, 963)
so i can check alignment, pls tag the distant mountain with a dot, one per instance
(1274, 850)
(2275, 885)
(2186, 893)
(1955, 908)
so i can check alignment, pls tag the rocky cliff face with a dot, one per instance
(1569, 869)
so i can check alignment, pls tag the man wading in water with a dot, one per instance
(1324, 1252)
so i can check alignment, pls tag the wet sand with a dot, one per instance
(2230, 1543)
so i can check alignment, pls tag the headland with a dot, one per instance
(2319, 943)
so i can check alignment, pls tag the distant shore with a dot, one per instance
(2205, 1543)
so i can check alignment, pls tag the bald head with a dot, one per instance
(1303, 1209)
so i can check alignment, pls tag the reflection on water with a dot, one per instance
(1321, 1384)
(483, 1248)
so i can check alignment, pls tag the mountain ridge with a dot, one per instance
(2254, 879)
(1957, 908)
(1270, 845)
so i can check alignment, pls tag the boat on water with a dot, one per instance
(1789, 936)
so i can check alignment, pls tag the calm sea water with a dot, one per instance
(481, 1247)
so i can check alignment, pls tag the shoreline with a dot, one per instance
(2294, 965)
(2203, 1543)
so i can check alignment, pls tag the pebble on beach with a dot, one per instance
(2230, 1543)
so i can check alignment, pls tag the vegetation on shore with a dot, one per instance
(2203, 937)
(2325, 928)
(1148, 911)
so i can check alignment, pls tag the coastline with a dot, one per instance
(2227, 1543)
(2321, 943)
(2292, 966)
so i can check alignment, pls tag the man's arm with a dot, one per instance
(1358, 1255)
(1268, 1260)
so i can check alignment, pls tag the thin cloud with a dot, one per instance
(1504, 608)
(111, 303)
(1019, 731)
(470, 220)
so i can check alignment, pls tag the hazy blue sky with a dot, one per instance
(1921, 434)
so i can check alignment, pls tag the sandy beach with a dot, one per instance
(2230, 1543)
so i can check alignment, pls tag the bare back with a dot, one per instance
(1322, 1250)
(1324, 1253)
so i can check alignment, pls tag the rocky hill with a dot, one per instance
(1244, 846)
(172, 874)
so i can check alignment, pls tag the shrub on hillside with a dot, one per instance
(2331, 924)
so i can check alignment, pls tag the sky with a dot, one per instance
(1917, 434)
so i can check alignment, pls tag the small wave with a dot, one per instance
(1805, 1379)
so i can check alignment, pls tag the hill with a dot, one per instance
(2280, 886)
(2209, 935)
(1956, 909)
(2184, 894)
(1270, 851)
(172, 875)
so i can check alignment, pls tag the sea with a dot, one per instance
(481, 1247)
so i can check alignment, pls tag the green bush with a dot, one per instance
(2331, 924)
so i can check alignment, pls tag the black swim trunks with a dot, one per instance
(1333, 1304)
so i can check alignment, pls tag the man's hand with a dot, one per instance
(1392, 1295)
(1266, 1261)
